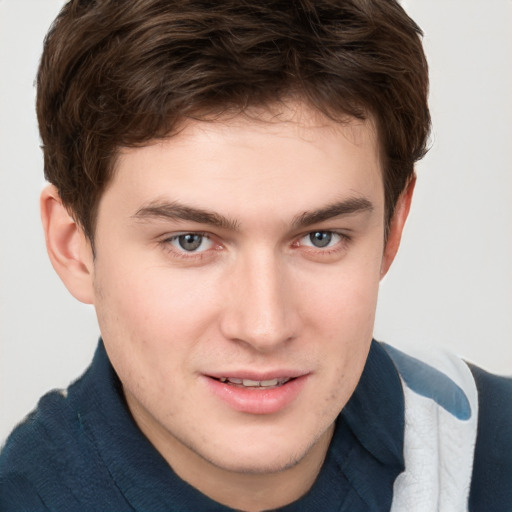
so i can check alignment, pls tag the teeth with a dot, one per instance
(272, 382)
(254, 383)
(250, 383)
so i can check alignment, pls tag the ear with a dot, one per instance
(69, 249)
(396, 226)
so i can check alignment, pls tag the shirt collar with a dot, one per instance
(375, 412)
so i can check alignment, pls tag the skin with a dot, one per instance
(256, 295)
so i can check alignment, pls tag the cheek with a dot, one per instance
(342, 317)
(150, 303)
(344, 299)
(144, 320)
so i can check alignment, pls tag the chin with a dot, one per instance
(263, 455)
(259, 463)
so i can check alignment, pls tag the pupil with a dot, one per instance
(320, 238)
(190, 242)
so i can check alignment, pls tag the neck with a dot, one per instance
(246, 491)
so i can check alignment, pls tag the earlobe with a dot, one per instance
(396, 227)
(68, 248)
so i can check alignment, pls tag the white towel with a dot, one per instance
(441, 413)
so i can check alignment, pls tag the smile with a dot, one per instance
(248, 383)
(257, 396)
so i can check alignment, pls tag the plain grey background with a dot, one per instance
(450, 286)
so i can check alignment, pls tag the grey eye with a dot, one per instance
(190, 241)
(320, 238)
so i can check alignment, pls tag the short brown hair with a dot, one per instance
(118, 73)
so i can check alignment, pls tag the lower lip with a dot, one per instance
(257, 400)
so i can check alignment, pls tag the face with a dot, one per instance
(235, 282)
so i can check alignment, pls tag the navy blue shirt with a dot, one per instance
(81, 451)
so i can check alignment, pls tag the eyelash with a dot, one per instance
(321, 232)
(167, 243)
(333, 250)
(188, 255)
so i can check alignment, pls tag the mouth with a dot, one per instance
(249, 383)
(264, 395)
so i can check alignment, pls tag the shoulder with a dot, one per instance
(449, 381)
(49, 459)
(52, 460)
(491, 488)
(17, 494)
(32, 457)
(37, 435)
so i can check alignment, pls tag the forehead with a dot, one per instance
(272, 160)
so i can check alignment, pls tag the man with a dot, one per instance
(228, 184)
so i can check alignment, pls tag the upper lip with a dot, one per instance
(257, 376)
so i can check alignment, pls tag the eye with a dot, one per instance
(191, 242)
(321, 239)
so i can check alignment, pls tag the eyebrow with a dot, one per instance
(341, 208)
(178, 211)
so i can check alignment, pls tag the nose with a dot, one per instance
(260, 308)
